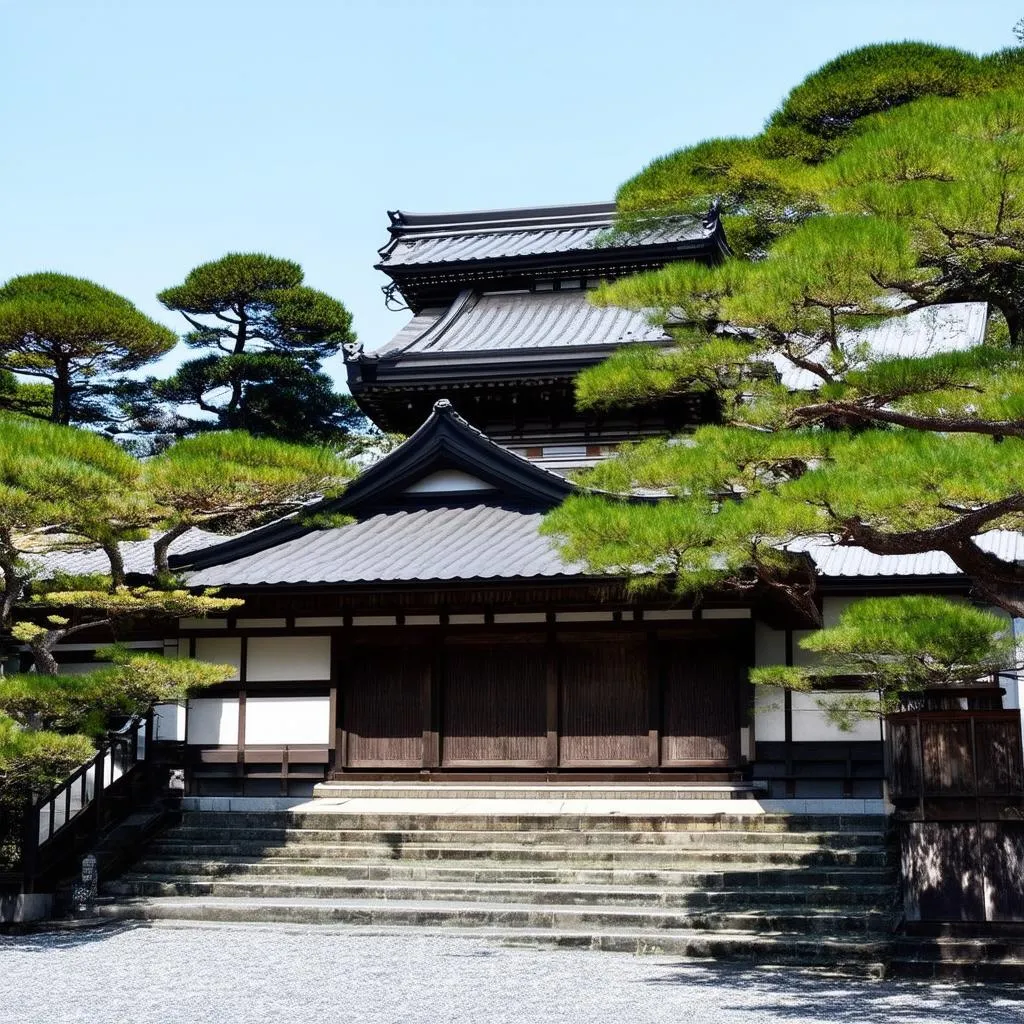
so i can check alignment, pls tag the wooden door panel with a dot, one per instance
(700, 723)
(383, 708)
(494, 706)
(604, 705)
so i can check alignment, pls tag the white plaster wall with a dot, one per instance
(220, 650)
(1012, 680)
(811, 724)
(169, 722)
(287, 658)
(448, 480)
(213, 720)
(769, 710)
(287, 719)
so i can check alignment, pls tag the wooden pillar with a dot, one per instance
(654, 701)
(551, 704)
(338, 756)
(431, 698)
(787, 704)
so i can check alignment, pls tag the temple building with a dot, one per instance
(439, 634)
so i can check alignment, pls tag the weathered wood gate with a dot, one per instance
(956, 777)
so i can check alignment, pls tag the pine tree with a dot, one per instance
(76, 337)
(266, 334)
(890, 181)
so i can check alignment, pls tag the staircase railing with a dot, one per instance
(72, 813)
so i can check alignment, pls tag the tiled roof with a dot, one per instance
(486, 542)
(952, 327)
(137, 554)
(481, 542)
(527, 320)
(419, 238)
(834, 560)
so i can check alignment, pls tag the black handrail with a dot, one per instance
(79, 797)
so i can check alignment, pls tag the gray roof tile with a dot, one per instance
(481, 542)
(137, 554)
(835, 560)
(530, 320)
(420, 239)
(951, 327)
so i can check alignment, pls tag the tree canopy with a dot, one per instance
(895, 647)
(73, 335)
(888, 183)
(265, 334)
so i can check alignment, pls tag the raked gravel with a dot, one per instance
(218, 974)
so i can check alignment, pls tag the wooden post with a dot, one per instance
(431, 699)
(654, 700)
(787, 704)
(551, 704)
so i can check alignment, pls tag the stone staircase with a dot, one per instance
(762, 888)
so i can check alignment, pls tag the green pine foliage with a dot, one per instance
(92, 702)
(265, 334)
(887, 183)
(76, 337)
(889, 648)
(231, 481)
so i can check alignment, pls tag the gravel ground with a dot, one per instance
(227, 974)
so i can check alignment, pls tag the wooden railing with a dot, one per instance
(73, 811)
(953, 757)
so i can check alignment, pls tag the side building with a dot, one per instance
(439, 634)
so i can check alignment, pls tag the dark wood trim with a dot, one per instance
(655, 700)
(432, 709)
(787, 707)
(552, 712)
(241, 727)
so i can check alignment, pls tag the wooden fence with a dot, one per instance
(956, 781)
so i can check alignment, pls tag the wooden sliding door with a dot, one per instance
(700, 699)
(383, 707)
(494, 705)
(605, 712)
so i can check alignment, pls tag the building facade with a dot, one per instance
(439, 634)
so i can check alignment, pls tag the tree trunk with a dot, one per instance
(61, 405)
(161, 548)
(46, 663)
(116, 559)
(12, 582)
(42, 647)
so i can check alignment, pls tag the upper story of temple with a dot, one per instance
(502, 324)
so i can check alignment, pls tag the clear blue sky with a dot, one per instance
(141, 137)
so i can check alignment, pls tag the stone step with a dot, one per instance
(537, 791)
(854, 856)
(973, 968)
(530, 874)
(507, 915)
(854, 899)
(852, 956)
(562, 838)
(515, 821)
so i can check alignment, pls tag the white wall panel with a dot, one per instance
(213, 720)
(285, 658)
(169, 722)
(769, 707)
(811, 724)
(220, 650)
(287, 719)
(769, 714)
